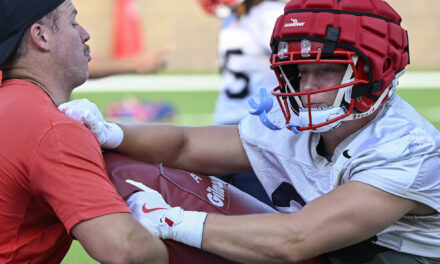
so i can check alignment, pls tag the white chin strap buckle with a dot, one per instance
(319, 116)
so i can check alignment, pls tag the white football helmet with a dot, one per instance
(220, 8)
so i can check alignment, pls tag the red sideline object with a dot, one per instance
(191, 192)
(127, 32)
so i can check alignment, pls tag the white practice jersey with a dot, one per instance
(244, 54)
(397, 152)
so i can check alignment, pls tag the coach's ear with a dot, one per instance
(39, 36)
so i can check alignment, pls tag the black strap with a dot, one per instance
(331, 39)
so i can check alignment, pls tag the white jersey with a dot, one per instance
(397, 152)
(244, 54)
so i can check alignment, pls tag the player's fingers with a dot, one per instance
(171, 47)
(162, 64)
(159, 64)
(139, 185)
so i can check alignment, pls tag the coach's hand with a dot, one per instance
(151, 210)
(87, 113)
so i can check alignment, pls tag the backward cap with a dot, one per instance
(16, 16)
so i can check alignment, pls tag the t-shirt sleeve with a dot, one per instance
(69, 178)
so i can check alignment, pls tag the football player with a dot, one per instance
(352, 167)
(243, 53)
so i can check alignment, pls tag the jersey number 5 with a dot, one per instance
(242, 93)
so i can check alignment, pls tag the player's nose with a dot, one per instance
(309, 82)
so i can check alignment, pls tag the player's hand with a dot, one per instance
(87, 113)
(151, 61)
(151, 210)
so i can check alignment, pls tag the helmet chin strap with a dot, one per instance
(345, 93)
(290, 88)
(319, 116)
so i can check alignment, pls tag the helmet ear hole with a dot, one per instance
(386, 64)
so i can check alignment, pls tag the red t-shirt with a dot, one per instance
(52, 176)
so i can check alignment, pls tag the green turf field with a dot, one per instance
(425, 101)
(196, 108)
(192, 108)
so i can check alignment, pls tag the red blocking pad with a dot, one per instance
(190, 191)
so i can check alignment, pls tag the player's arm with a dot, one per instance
(347, 215)
(119, 238)
(212, 150)
(150, 61)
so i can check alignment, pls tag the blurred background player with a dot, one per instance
(129, 52)
(243, 54)
(130, 55)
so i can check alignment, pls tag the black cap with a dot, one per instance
(16, 16)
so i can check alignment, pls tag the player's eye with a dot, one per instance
(328, 69)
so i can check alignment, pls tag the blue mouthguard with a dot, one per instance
(264, 107)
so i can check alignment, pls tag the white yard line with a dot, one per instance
(170, 83)
(414, 80)
(161, 83)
